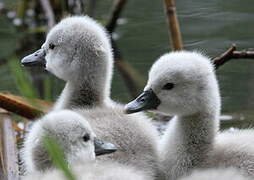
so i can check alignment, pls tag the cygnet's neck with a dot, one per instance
(196, 134)
(190, 138)
(74, 96)
(89, 88)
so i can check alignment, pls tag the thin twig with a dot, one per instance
(174, 29)
(48, 12)
(132, 79)
(127, 71)
(116, 12)
(230, 54)
(9, 149)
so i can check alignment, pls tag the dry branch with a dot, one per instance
(230, 54)
(28, 108)
(174, 29)
(9, 158)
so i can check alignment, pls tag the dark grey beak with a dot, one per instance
(145, 101)
(35, 59)
(103, 147)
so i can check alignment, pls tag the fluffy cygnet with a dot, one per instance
(71, 131)
(216, 174)
(184, 84)
(80, 145)
(78, 51)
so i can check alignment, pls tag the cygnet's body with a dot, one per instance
(216, 174)
(74, 135)
(97, 171)
(184, 84)
(78, 51)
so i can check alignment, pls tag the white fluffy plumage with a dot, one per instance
(96, 171)
(216, 174)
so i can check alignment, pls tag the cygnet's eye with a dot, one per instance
(168, 86)
(86, 137)
(52, 46)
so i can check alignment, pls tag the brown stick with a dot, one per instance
(48, 12)
(10, 170)
(174, 29)
(24, 107)
(230, 54)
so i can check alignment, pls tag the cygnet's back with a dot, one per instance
(216, 174)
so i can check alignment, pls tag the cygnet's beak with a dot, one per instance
(35, 59)
(145, 101)
(103, 147)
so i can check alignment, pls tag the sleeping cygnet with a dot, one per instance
(184, 84)
(79, 144)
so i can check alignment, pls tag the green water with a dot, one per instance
(210, 26)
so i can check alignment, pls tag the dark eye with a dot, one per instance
(86, 137)
(168, 86)
(51, 46)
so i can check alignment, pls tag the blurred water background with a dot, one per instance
(208, 26)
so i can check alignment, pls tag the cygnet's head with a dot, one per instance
(73, 134)
(179, 83)
(76, 46)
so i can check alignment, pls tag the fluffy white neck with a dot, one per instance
(89, 86)
(187, 143)
(189, 139)
(77, 95)
(195, 134)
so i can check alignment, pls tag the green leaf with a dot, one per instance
(57, 155)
